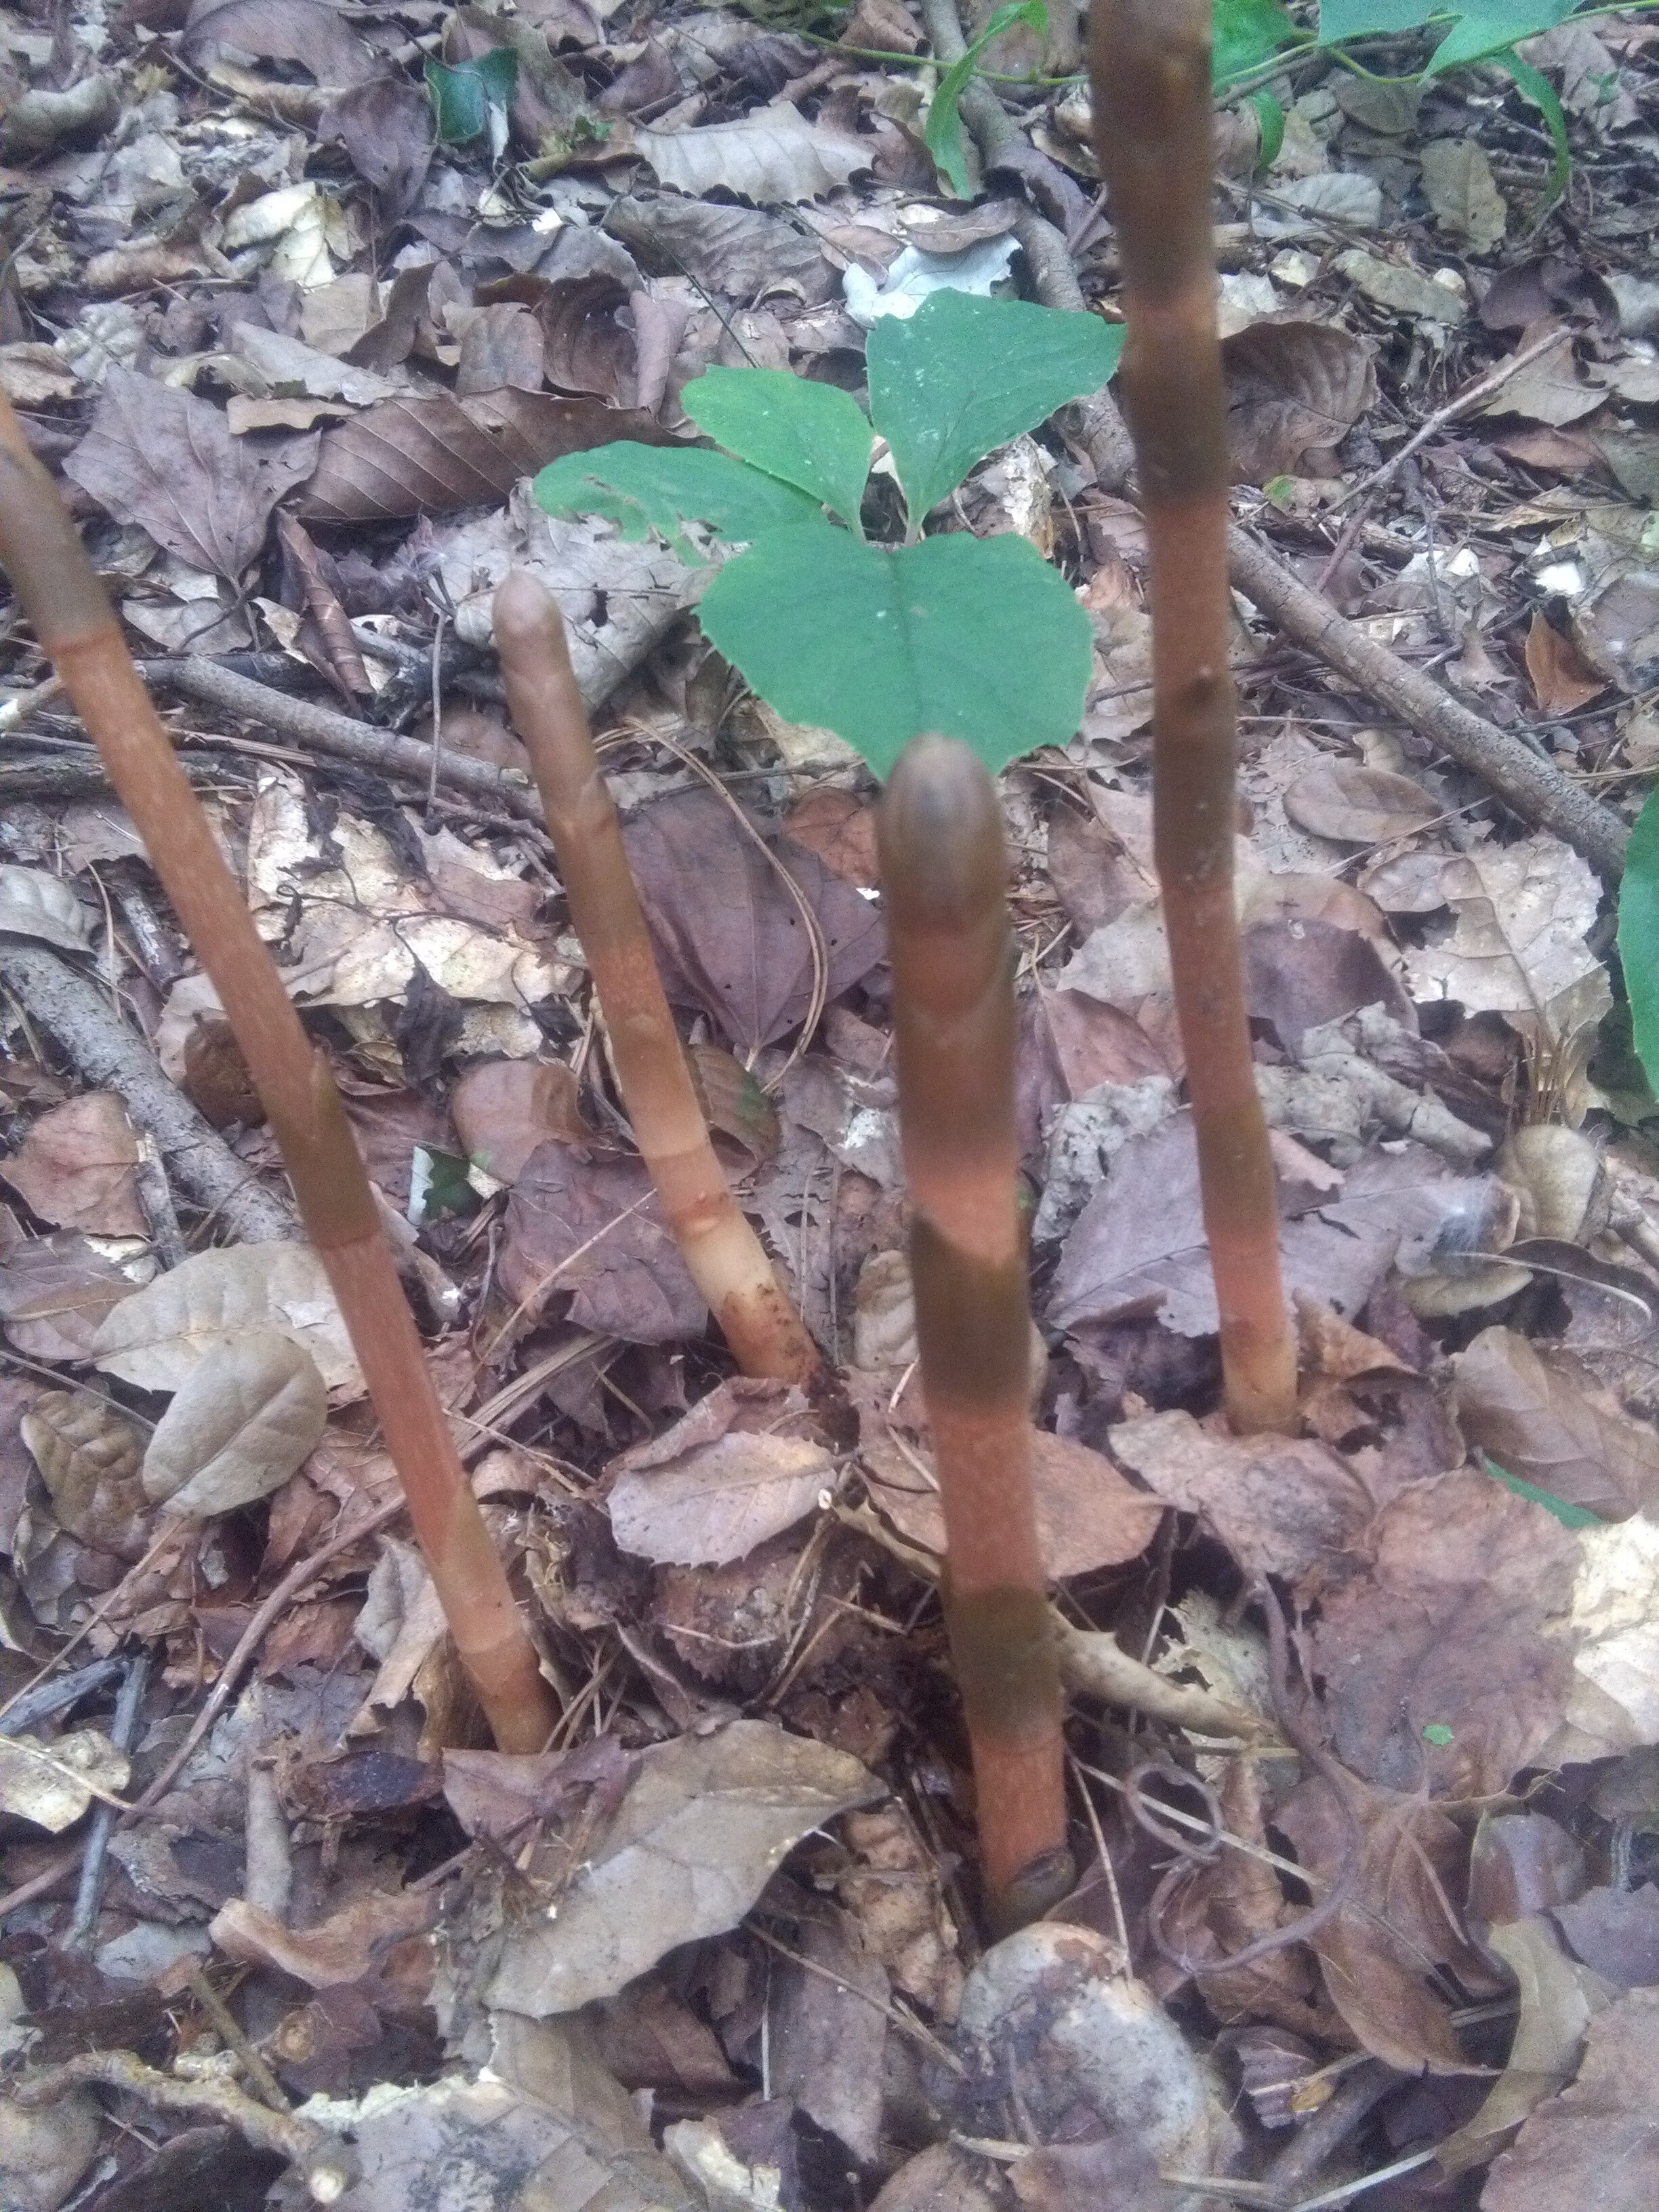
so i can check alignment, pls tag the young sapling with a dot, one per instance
(55, 582)
(726, 1260)
(1150, 61)
(944, 872)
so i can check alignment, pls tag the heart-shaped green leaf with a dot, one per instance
(814, 436)
(962, 376)
(975, 638)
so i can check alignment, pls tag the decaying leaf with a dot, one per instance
(52, 1783)
(1523, 912)
(90, 1460)
(1358, 806)
(243, 1418)
(1561, 682)
(702, 1826)
(166, 460)
(1541, 1424)
(75, 1169)
(1594, 2143)
(504, 1109)
(774, 155)
(1293, 388)
(1457, 179)
(36, 904)
(435, 454)
(703, 1495)
(592, 1230)
(157, 1337)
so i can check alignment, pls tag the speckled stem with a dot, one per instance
(43, 555)
(1149, 60)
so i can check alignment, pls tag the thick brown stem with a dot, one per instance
(943, 874)
(1151, 66)
(48, 566)
(727, 1260)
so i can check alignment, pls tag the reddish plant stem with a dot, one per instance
(944, 874)
(1150, 61)
(53, 578)
(727, 1260)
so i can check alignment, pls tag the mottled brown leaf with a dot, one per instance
(76, 1168)
(1293, 388)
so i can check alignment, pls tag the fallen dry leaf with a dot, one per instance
(1541, 1424)
(1561, 682)
(1358, 805)
(51, 1784)
(75, 1168)
(773, 154)
(704, 1823)
(246, 1415)
(722, 1481)
(1447, 1660)
(89, 1460)
(1292, 389)
(505, 1108)
(158, 1336)
(592, 1230)
(1596, 2142)
(166, 460)
(433, 455)
(1457, 181)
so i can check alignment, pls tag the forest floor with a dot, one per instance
(267, 1890)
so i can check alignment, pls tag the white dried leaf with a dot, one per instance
(53, 1783)
(705, 1823)
(43, 907)
(774, 155)
(244, 1421)
(717, 1504)
(1405, 290)
(157, 1338)
(1518, 947)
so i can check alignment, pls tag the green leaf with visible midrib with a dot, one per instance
(647, 488)
(814, 436)
(963, 376)
(975, 638)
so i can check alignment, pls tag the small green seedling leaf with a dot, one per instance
(464, 93)
(661, 488)
(1246, 33)
(814, 436)
(943, 133)
(1270, 118)
(962, 376)
(1438, 1734)
(976, 638)
(1570, 1516)
(1638, 935)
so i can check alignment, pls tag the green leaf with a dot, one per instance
(814, 436)
(1362, 19)
(977, 638)
(1570, 1516)
(1271, 117)
(1542, 94)
(944, 129)
(1479, 28)
(1483, 27)
(1246, 33)
(647, 488)
(463, 92)
(962, 376)
(1638, 934)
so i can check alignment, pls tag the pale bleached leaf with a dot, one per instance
(705, 1823)
(718, 1504)
(1457, 180)
(52, 1783)
(36, 904)
(158, 1337)
(773, 154)
(1518, 947)
(245, 1418)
